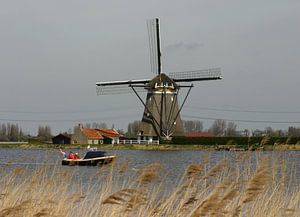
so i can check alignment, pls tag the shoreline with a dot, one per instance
(161, 147)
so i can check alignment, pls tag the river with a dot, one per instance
(172, 162)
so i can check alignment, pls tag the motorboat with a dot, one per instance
(91, 158)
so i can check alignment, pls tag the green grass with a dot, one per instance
(155, 147)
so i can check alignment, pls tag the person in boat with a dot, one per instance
(63, 153)
(71, 155)
(76, 156)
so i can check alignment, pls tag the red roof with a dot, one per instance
(91, 133)
(199, 134)
(111, 133)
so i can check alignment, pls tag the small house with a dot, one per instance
(95, 136)
(62, 138)
(111, 136)
(86, 136)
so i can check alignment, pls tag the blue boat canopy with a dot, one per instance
(94, 154)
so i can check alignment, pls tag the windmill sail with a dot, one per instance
(196, 75)
(120, 87)
(154, 45)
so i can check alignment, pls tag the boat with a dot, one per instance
(91, 158)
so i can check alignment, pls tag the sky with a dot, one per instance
(53, 52)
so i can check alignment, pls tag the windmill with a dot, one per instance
(161, 117)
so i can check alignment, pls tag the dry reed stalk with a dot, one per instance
(136, 200)
(193, 170)
(123, 167)
(76, 197)
(119, 197)
(216, 169)
(228, 196)
(264, 141)
(187, 203)
(192, 186)
(16, 210)
(236, 211)
(42, 212)
(213, 204)
(129, 199)
(293, 206)
(208, 205)
(149, 173)
(242, 157)
(259, 180)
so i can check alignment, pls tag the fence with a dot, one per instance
(131, 141)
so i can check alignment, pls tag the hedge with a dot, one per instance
(237, 141)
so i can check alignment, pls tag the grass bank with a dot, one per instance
(155, 147)
(225, 188)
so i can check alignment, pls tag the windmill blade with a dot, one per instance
(120, 87)
(126, 82)
(154, 45)
(197, 75)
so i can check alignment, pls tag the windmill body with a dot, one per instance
(161, 114)
(161, 117)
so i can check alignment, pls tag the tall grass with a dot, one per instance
(227, 188)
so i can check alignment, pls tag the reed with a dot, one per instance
(243, 186)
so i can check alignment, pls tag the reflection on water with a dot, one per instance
(173, 162)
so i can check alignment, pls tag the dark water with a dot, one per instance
(172, 162)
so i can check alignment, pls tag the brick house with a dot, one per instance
(111, 136)
(95, 136)
(86, 136)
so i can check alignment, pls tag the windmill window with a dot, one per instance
(172, 98)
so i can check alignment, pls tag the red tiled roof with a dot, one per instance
(111, 133)
(199, 134)
(91, 133)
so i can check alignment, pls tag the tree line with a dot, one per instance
(221, 127)
(13, 132)
(10, 132)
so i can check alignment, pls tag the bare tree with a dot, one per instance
(14, 132)
(218, 127)
(231, 129)
(133, 129)
(99, 125)
(11, 132)
(192, 126)
(44, 133)
(294, 131)
(3, 133)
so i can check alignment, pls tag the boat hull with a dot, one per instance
(89, 162)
